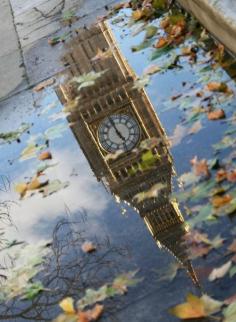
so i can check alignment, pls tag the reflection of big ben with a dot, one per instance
(112, 118)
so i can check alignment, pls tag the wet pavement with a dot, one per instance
(95, 159)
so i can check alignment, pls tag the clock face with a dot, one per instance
(118, 132)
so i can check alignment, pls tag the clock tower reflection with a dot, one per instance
(122, 138)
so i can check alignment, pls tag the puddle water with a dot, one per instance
(96, 178)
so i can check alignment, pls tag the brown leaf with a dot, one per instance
(216, 115)
(91, 315)
(232, 247)
(219, 201)
(165, 22)
(217, 87)
(200, 167)
(88, 247)
(162, 42)
(46, 155)
(221, 175)
(44, 84)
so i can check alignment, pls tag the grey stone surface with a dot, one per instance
(12, 73)
(217, 16)
(8, 36)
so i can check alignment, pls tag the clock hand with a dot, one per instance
(117, 131)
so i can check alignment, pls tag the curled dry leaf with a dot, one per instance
(46, 155)
(44, 84)
(88, 247)
(200, 167)
(91, 315)
(220, 272)
(162, 42)
(217, 87)
(216, 115)
(219, 201)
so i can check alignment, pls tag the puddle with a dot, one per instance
(97, 158)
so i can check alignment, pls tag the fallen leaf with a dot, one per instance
(221, 175)
(170, 273)
(45, 156)
(67, 305)
(230, 313)
(200, 167)
(231, 176)
(219, 201)
(232, 247)
(121, 283)
(150, 31)
(220, 272)
(44, 84)
(114, 156)
(53, 187)
(88, 79)
(56, 131)
(196, 307)
(91, 315)
(162, 42)
(103, 54)
(198, 251)
(216, 115)
(152, 69)
(232, 271)
(217, 87)
(230, 299)
(21, 188)
(153, 192)
(88, 247)
(15, 135)
(141, 82)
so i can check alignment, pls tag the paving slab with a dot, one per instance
(8, 36)
(12, 74)
(218, 17)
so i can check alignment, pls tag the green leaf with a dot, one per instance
(204, 214)
(150, 31)
(88, 79)
(14, 135)
(33, 290)
(54, 186)
(160, 52)
(230, 313)
(232, 271)
(56, 131)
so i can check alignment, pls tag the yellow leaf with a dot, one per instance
(193, 308)
(21, 188)
(67, 305)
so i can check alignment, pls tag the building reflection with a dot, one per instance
(131, 157)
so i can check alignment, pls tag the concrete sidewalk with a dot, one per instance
(217, 16)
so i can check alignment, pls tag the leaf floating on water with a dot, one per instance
(103, 54)
(150, 31)
(67, 305)
(230, 313)
(219, 201)
(119, 286)
(87, 80)
(196, 307)
(31, 151)
(44, 84)
(217, 87)
(153, 192)
(14, 135)
(162, 42)
(220, 272)
(114, 156)
(54, 186)
(45, 156)
(141, 82)
(91, 315)
(88, 247)
(152, 69)
(216, 115)
(56, 131)
(200, 167)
